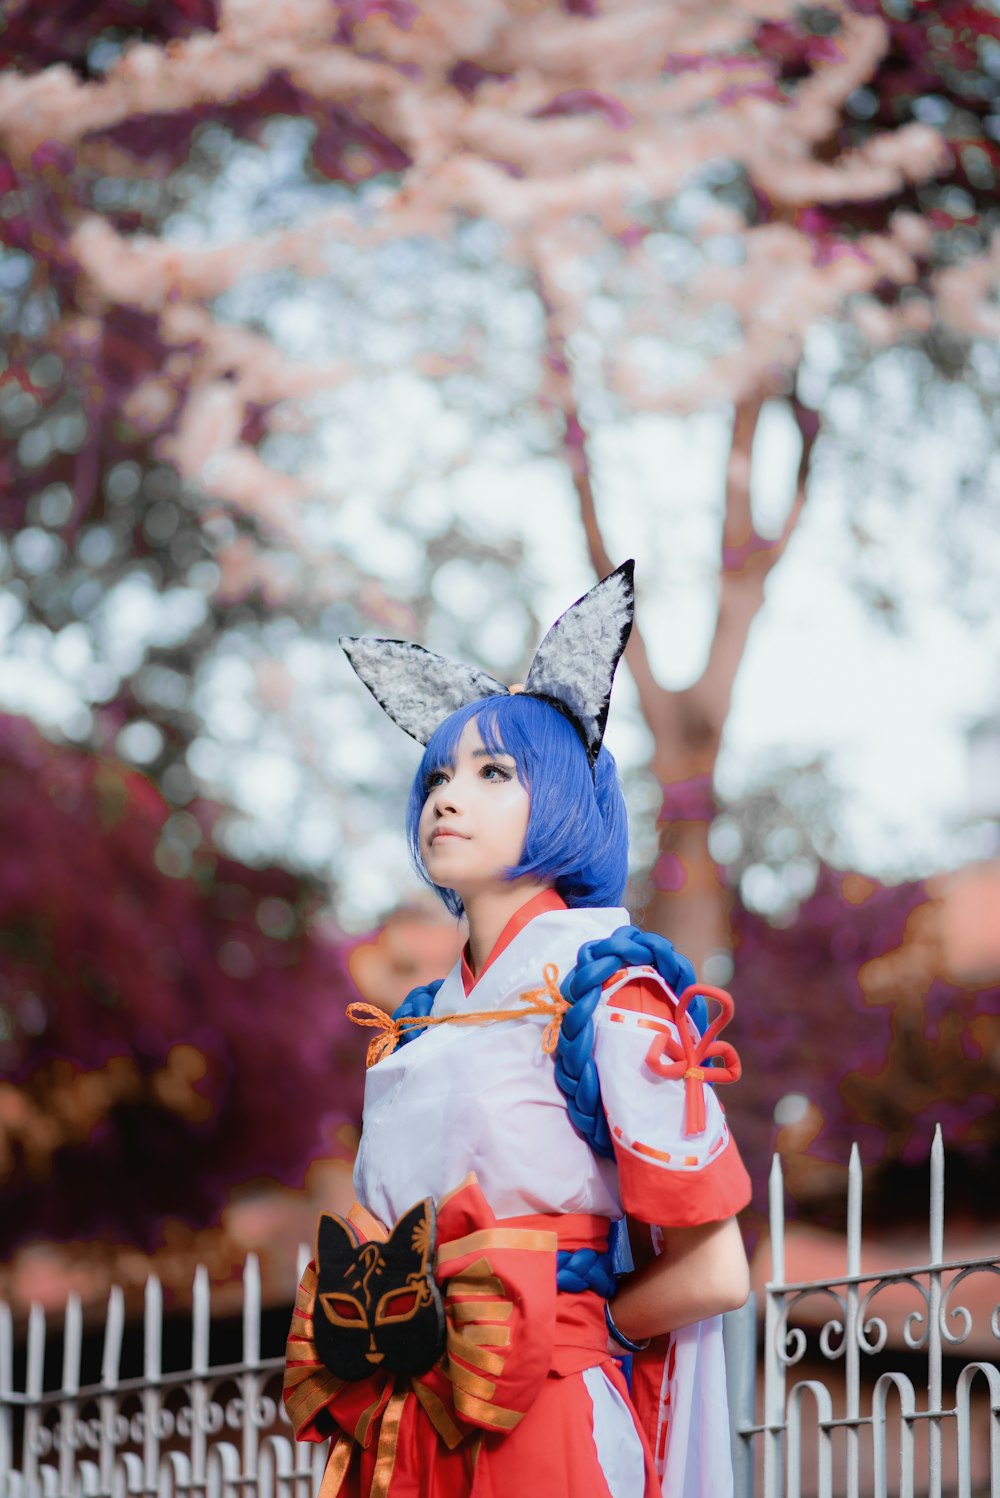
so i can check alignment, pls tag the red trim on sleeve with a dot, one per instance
(683, 1198)
(642, 995)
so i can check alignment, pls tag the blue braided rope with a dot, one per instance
(583, 1269)
(597, 961)
(418, 1002)
(586, 1269)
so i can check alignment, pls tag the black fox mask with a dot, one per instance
(378, 1308)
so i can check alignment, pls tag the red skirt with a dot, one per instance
(579, 1439)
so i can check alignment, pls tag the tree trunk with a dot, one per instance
(690, 901)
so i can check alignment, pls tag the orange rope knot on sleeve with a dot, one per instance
(685, 1058)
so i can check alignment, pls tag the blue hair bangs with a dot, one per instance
(577, 837)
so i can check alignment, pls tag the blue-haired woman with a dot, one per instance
(452, 1334)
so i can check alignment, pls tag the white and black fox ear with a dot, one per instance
(574, 666)
(417, 688)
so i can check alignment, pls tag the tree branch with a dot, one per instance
(560, 389)
(737, 526)
(748, 558)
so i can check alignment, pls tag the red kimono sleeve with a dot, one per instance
(669, 1173)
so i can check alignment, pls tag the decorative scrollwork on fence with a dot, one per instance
(873, 1330)
(790, 1342)
(870, 1330)
(202, 1413)
(961, 1313)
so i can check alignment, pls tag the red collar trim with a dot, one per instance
(537, 905)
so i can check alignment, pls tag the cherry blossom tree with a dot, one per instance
(829, 164)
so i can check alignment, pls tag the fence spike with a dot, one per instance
(114, 1327)
(855, 1187)
(6, 1349)
(6, 1389)
(251, 1309)
(201, 1319)
(776, 1203)
(937, 1197)
(152, 1331)
(934, 1337)
(35, 1372)
(72, 1345)
(852, 1351)
(33, 1384)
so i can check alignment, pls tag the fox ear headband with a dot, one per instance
(572, 670)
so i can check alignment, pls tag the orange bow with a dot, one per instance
(688, 1057)
(390, 1030)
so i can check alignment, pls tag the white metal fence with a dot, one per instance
(851, 1427)
(218, 1430)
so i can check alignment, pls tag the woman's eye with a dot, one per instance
(436, 777)
(494, 772)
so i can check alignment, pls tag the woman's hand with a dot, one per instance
(702, 1271)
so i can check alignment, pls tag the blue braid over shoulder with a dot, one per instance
(596, 962)
(576, 1070)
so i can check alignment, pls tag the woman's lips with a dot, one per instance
(445, 832)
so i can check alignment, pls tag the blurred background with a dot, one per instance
(414, 319)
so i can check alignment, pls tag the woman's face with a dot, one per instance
(475, 818)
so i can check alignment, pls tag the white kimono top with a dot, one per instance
(483, 1097)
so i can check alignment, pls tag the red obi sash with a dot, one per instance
(507, 1330)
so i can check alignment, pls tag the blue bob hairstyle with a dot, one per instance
(577, 838)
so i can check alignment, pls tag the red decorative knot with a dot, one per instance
(685, 1058)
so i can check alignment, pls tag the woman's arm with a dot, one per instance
(701, 1272)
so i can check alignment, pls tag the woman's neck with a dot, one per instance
(489, 909)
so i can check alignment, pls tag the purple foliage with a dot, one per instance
(353, 13)
(166, 1034)
(586, 101)
(938, 55)
(164, 141)
(35, 36)
(468, 76)
(884, 1047)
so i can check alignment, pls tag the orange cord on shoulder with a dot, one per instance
(546, 1000)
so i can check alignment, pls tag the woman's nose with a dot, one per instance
(446, 798)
